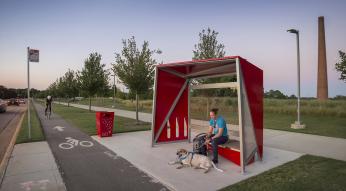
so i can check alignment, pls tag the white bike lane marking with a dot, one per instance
(71, 143)
(59, 128)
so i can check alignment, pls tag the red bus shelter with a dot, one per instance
(171, 116)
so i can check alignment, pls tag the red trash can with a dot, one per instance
(104, 123)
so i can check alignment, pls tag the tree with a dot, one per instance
(276, 94)
(93, 78)
(341, 66)
(34, 92)
(69, 85)
(339, 97)
(120, 94)
(135, 68)
(52, 89)
(292, 97)
(60, 87)
(209, 47)
(7, 93)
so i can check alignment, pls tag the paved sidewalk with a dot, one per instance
(297, 142)
(87, 165)
(32, 167)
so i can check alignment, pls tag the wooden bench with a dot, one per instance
(230, 151)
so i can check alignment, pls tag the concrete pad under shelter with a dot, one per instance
(136, 148)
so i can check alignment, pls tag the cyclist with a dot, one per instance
(49, 101)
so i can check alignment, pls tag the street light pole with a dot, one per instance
(297, 124)
(298, 74)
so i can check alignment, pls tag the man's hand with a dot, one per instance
(207, 141)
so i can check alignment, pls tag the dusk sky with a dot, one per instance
(66, 32)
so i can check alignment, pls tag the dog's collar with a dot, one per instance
(184, 157)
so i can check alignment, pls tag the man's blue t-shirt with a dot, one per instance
(219, 123)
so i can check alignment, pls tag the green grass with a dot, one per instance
(329, 126)
(326, 118)
(36, 129)
(86, 120)
(313, 107)
(325, 126)
(225, 104)
(306, 173)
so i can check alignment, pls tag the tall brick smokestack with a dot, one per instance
(322, 79)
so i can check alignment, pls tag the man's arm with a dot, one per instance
(219, 133)
(209, 133)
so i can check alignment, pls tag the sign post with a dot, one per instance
(33, 56)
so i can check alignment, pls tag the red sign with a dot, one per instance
(33, 55)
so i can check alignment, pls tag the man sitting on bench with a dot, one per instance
(217, 133)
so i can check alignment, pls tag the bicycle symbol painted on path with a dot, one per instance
(71, 142)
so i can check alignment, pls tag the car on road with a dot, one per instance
(3, 106)
(22, 101)
(13, 101)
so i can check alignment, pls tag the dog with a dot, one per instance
(197, 161)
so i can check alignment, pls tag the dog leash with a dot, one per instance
(192, 153)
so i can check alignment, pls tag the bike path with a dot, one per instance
(87, 165)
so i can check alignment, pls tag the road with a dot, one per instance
(9, 121)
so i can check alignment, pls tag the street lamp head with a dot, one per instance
(293, 31)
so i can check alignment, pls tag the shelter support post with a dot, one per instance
(240, 115)
(154, 109)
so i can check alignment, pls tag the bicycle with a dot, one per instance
(48, 111)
